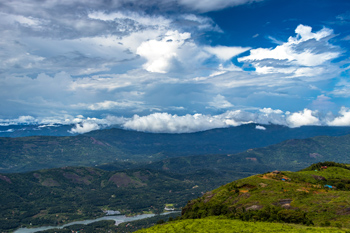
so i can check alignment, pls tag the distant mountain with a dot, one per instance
(291, 155)
(130, 149)
(215, 141)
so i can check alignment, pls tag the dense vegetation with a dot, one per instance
(58, 196)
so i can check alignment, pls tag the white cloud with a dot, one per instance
(343, 119)
(302, 55)
(84, 127)
(302, 118)
(166, 123)
(18, 121)
(260, 127)
(224, 52)
(162, 54)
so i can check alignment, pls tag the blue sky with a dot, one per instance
(175, 65)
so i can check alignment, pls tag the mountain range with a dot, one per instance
(130, 149)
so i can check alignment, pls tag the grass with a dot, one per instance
(215, 224)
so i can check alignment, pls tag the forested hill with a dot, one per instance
(129, 149)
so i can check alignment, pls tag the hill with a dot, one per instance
(311, 197)
(315, 199)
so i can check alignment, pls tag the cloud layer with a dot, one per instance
(168, 123)
(168, 65)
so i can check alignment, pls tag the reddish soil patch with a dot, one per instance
(49, 182)
(123, 180)
(78, 179)
(97, 142)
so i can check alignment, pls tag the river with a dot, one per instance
(118, 219)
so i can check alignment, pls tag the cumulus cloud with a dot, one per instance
(343, 119)
(167, 123)
(160, 53)
(174, 50)
(302, 55)
(84, 127)
(302, 118)
(172, 123)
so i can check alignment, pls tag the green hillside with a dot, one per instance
(315, 199)
(311, 197)
(219, 225)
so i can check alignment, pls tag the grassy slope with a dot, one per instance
(303, 192)
(228, 225)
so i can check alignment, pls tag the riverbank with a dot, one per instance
(117, 219)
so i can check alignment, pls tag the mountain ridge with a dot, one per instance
(131, 148)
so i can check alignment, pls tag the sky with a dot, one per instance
(174, 66)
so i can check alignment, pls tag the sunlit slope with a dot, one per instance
(315, 196)
(217, 225)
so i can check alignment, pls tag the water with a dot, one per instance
(118, 219)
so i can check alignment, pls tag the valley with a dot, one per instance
(142, 183)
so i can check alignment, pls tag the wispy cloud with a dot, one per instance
(301, 56)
